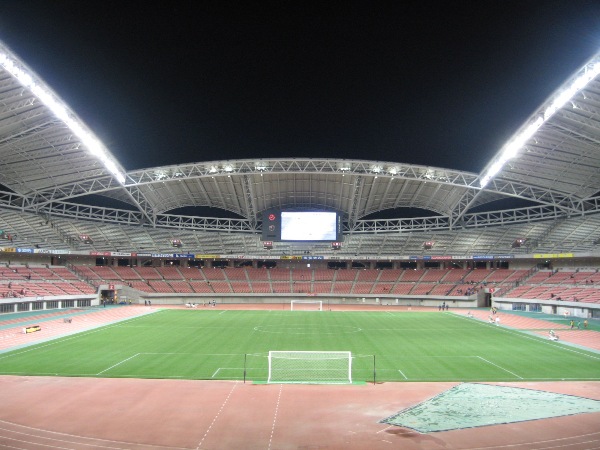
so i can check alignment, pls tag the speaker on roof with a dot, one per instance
(86, 239)
(518, 243)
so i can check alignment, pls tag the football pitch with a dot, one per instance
(234, 345)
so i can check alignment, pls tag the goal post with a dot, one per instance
(310, 367)
(306, 305)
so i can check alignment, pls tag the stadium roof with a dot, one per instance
(51, 164)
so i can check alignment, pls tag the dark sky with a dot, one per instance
(440, 83)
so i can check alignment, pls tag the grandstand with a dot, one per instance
(59, 242)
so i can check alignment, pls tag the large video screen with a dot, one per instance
(301, 226)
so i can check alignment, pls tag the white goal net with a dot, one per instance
(306, 305)
(310, 367)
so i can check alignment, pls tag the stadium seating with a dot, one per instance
(564, 285)
(213, 274)
(391, 275)
(412, 275)
(161, 286)
(342, 288)
(254, 274)
(147, 273)
(322, 288)
(362, 288)
(402, 288)
(280, 287)
(201, 287)
(240, 287)
(221, 287)
(302, 287)
(433, 275)
(181, 286)
(280, 275)
(261, 287)
(302, 275)
(456, 275)
(235, 274)
(323, 274)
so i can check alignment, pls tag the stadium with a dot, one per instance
(103, 284)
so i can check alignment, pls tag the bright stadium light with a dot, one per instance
(512, 148)
(61, 112)
(565, 96)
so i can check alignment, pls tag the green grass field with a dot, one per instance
(231, 345)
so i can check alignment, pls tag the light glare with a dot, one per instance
(512, 148)
(94, 146)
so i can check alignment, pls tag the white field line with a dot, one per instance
(121, 362)
(500, 367)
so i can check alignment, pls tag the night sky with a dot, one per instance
(434, 83)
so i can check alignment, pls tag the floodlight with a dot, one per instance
(511, 149)
(26, 79)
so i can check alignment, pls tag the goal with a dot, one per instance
(306, 305)
(310, 367)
